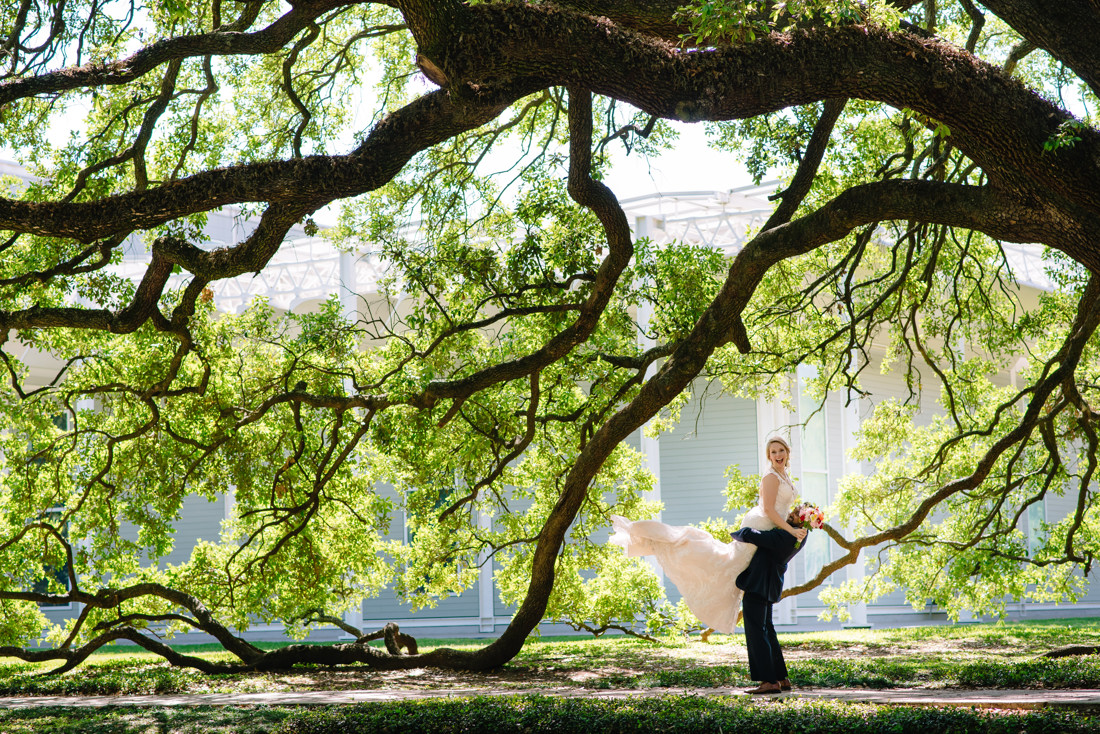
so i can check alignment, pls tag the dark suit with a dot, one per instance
(762, 583)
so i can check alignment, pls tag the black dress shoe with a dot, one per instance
(765, 688)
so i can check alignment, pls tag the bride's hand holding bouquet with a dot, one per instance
(806, 515)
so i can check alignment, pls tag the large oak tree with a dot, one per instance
(500, 369)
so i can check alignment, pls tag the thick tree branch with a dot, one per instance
(1066, 30)
(993, 118)
(307, 184)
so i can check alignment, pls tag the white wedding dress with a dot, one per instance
(702, 568)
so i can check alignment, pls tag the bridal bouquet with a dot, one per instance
(809, 516)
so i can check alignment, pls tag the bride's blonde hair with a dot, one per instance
(782, 442)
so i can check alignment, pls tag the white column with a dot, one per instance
(84, 405)
(354, 617)
(850, 422)
(647, 227)
(348, 286)
(348, 293)
(230, 497)
(349, 297)
(485, 590)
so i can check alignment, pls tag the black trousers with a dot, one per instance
(766, 662)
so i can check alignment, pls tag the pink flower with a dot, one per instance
(810, 516)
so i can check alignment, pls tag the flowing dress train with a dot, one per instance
(705, 570)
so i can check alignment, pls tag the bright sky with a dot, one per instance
(689, 166)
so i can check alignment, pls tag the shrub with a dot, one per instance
(671, 714)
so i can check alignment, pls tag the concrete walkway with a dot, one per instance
(1084, 700)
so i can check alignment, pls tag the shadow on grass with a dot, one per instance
(969, 656)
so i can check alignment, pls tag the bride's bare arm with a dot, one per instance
(769, 489)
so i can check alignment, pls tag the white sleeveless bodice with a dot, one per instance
(756, 518)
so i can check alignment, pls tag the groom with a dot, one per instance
(762, 583)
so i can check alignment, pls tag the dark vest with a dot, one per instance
(774, 550)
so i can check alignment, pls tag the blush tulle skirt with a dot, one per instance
(703, 569)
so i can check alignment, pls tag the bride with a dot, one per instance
(705, 569)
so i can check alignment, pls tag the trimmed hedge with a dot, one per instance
(893, 672)
(1077, 672)
(687, 714)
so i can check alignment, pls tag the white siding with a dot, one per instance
(200, 519)
(714, 433)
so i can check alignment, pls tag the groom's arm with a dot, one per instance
(777, 540)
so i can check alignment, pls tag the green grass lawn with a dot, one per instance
(968, 656)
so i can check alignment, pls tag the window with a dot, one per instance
(815, 468)
(61, 420)
(1036, 516)
(51, 573)
(443, 499)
